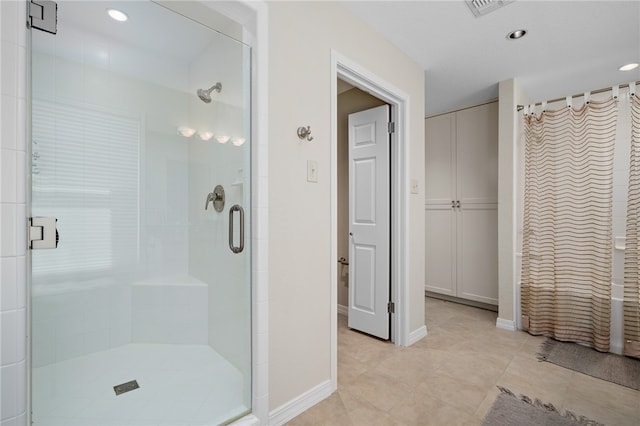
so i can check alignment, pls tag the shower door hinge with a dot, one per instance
(43, 233)
(391, 127)
(391, 308)
(43, 15)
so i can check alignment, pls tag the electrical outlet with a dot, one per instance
(312, 171)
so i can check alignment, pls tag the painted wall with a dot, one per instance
(510, 129)
(351, 101)
(301, 37)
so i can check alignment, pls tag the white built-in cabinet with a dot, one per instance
(461, 208)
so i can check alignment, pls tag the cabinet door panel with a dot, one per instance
(462, 166)
(478, 253)
(440, 250)
(440, 134)
(477, 154)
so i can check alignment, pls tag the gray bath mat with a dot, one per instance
(509, 410)
(613, 368)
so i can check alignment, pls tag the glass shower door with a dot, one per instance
(141, 149)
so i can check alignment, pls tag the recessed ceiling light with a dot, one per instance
(516, 34)
(118, 15)
(628, 67)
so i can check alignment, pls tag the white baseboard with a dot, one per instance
(506, 324)
(300, 404)
(417, 335)
(343, 310)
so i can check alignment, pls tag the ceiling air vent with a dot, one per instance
(482, 7)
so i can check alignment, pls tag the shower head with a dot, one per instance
(205, 95)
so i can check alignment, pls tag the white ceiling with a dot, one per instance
(571, 47)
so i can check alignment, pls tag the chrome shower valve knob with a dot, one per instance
(216, 197)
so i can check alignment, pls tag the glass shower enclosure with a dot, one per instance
(140, 152)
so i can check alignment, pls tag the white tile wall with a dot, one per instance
(170, 310)
(13, 373)
(93, 317)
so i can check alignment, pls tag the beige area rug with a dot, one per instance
(509, 410)
(613, 368)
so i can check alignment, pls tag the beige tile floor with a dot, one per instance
(450, 376)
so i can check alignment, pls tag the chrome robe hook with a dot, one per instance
(305, 132)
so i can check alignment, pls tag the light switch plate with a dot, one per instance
(414, 186)
(312, 171)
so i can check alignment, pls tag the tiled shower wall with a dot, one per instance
(13, 392)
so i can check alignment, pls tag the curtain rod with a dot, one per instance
(593, 92)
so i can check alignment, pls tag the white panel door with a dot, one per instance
(440, 214)
(440, 160)
(440, 250)
(369, 221)
(477, 257)
(477, 191)
(477, 154)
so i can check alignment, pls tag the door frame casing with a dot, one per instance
(358, 76)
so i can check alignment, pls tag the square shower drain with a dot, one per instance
(126, 387)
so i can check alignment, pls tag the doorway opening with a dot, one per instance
(364, 198)
(354, 75)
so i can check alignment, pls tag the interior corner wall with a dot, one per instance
(354, 100)
(301, 38)
(509, 182)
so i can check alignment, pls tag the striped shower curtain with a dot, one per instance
(632, 252)
(567, 234)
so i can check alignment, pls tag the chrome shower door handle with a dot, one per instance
(240, 247)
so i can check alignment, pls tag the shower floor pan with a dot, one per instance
(178, 385)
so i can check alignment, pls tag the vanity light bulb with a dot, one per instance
(185, 131)
(238, 141)
(223, 138)
(205, 136)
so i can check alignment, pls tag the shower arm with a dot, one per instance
(217, 87)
